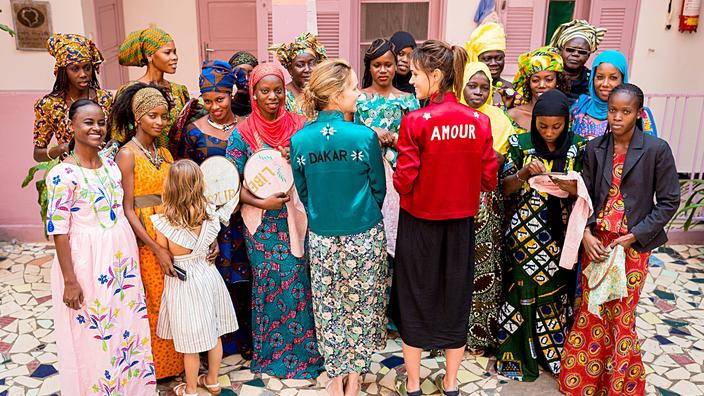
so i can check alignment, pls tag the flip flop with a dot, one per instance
(212, 389)
(180, 390)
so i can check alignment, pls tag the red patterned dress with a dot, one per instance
(602, 355)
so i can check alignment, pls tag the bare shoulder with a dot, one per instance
(125, 158)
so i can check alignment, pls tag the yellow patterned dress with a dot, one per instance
(148, 186)
(179, 97)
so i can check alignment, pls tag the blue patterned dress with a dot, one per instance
(232, 261)
(285, 343)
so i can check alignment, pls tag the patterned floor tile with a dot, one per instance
(671, 323)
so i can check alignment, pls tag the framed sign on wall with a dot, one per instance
(32, 20)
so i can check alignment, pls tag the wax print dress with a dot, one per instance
(148, 186)
(533, 317)
(602, 355)
(377, 111)
(51, 117)
(292, 105)
(103, 347)
(284, 339)
(232, 262)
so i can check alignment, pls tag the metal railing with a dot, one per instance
(680, 121)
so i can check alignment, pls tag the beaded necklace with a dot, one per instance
(156, 160)
(223, 127)
(111, 189)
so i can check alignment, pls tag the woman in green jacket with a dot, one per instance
(339, 175)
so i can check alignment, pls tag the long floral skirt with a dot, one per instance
(350, 281)
(602, 355)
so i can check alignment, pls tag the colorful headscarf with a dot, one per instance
(578, 28)
(305, 42)
(486, 37)
(274, 133)
(501, 127)
(243, 58)
(140, 44)
(69, 48)
(541, 59)
(216, 76)
(591, 104)
(145, 100)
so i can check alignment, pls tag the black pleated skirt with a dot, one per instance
(433, 279)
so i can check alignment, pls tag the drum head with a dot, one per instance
(267, 172)
(222, 181)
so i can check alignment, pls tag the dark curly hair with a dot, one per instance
(122, 116)
(563, 84)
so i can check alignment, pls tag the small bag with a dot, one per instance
(607, 279)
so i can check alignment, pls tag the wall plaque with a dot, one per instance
(32, 20)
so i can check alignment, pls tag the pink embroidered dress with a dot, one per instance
(104, 347)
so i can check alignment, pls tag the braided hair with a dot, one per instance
(377, 49)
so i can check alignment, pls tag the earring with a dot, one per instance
(254, 97)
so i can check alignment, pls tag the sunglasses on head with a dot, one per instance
(579, 51)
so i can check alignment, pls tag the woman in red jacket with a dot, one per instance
(445, 158)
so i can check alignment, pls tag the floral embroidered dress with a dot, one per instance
(104, 347)
(532, 319)
(232, 262)
(282, 319)
(377, 111)
(148, 186)
(51, 118)
(602, 355)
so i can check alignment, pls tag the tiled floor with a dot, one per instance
(671, 322)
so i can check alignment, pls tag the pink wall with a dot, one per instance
(19, 211)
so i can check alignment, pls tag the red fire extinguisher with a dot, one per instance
(689, 17)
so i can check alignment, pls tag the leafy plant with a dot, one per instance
(7, 29)
(692, 206)
(41, 186)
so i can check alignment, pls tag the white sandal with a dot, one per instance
(180, 390)
(214, 389)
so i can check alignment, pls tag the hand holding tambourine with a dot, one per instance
(268, 176)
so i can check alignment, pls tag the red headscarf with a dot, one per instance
(274, 133)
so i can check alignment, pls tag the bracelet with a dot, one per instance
(48, 151)
(519, 178)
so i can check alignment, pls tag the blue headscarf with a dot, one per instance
(216, 76)
(594, 106)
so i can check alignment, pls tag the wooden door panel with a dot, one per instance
(228, 26)
(110, 34)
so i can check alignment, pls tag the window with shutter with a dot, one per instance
(619, 17)
(524, 22)
(329, 32)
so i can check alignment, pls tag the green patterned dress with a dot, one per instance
(532, 319)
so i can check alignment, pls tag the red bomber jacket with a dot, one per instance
(445, 158)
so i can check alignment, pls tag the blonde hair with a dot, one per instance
(328, 80)
(183, 201)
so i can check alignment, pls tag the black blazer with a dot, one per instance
(649, 170)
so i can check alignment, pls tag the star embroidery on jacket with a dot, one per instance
(328, 131)
(301, 160)
(476, 115)
(357, 155)
(427, 116)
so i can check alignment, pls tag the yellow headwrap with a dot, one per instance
(486, 37)
(501, 127)
(145, 100)
(69, 48)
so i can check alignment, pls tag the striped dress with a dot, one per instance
(197, 311)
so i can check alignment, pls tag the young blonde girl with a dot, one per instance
(195, 310)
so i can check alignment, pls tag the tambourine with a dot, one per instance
(267, 172)
(222, 181)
